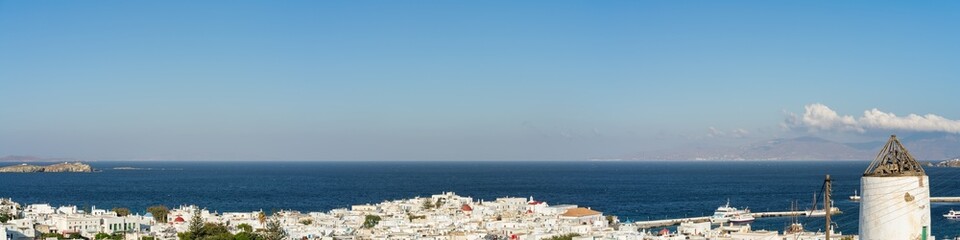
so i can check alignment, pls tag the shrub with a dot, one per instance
(370, 221)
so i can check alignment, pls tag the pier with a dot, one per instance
(937, 199)
(677, 221)
(944, 199)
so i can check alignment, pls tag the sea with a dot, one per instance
(630, 190)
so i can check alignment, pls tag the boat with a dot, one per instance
(855, 197)
(724, 213)
(795, 226)
(742, 218)
(952, 214)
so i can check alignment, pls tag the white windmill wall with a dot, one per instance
(885, 212)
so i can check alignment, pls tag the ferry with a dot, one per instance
(725, 212)
(952, 214)
(742, 218)
(855, 197)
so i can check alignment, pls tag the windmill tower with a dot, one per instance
(895, 200)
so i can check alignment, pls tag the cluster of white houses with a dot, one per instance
(441, 216)
(35, 219)
(444, 216)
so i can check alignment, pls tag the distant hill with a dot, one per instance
(952, 162)
(925, 147)
(59, 167)
(15, 158)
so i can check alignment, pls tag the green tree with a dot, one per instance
(212, 229)
(412, 217)
(245, 227)
(159, 213)
(147, 238)
(273, 231)
(306, 221)
(4, 217)
(246, 236)
(222, 236)
(209, 231)
(121, 211)
(51, 235)
(185, 236)
(370, 221)
(565, 236)
(611, 219)
(196, 224)
(427, 204)
(117, 236)
(101, 236)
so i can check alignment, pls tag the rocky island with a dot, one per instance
(953, 162)
(59, 167)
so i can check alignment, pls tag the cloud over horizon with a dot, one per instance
(819, 117)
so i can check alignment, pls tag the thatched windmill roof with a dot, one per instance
(894, 161)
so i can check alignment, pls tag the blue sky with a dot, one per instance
(454, 80)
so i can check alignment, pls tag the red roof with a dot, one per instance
(466, 208)
(178, 219)
(534, 202)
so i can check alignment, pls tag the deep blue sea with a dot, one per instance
(631, 190)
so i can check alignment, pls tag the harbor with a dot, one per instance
(678, 221)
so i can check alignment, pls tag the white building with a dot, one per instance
(38, 209)
(8, 206)
(84, 225)
(584, 216)
(112, 224)
(895, 196)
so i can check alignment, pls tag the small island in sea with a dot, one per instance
(59, 167)
(953, 162)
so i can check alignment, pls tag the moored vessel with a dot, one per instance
(952, 214)
(725, 213)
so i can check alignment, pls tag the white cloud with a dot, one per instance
(714, 132)
(739, 133)
(819, 117)
(735, 133)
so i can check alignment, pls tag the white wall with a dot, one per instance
(886, 213)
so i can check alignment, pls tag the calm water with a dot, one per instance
(631, 190)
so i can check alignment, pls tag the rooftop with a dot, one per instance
(580, 212)
(894, 161)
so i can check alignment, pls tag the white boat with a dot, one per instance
(742, 218)
(952, 214)
(855, 197)
(725, 213)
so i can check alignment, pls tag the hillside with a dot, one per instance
(59, 167)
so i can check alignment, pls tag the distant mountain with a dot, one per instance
(805, 148)
(933, 147)
(810, 148)
(15, 158)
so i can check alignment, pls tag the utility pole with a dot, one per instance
(826, 204)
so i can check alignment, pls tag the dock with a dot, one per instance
(944, 199)
(937, 199)
(677, 221)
